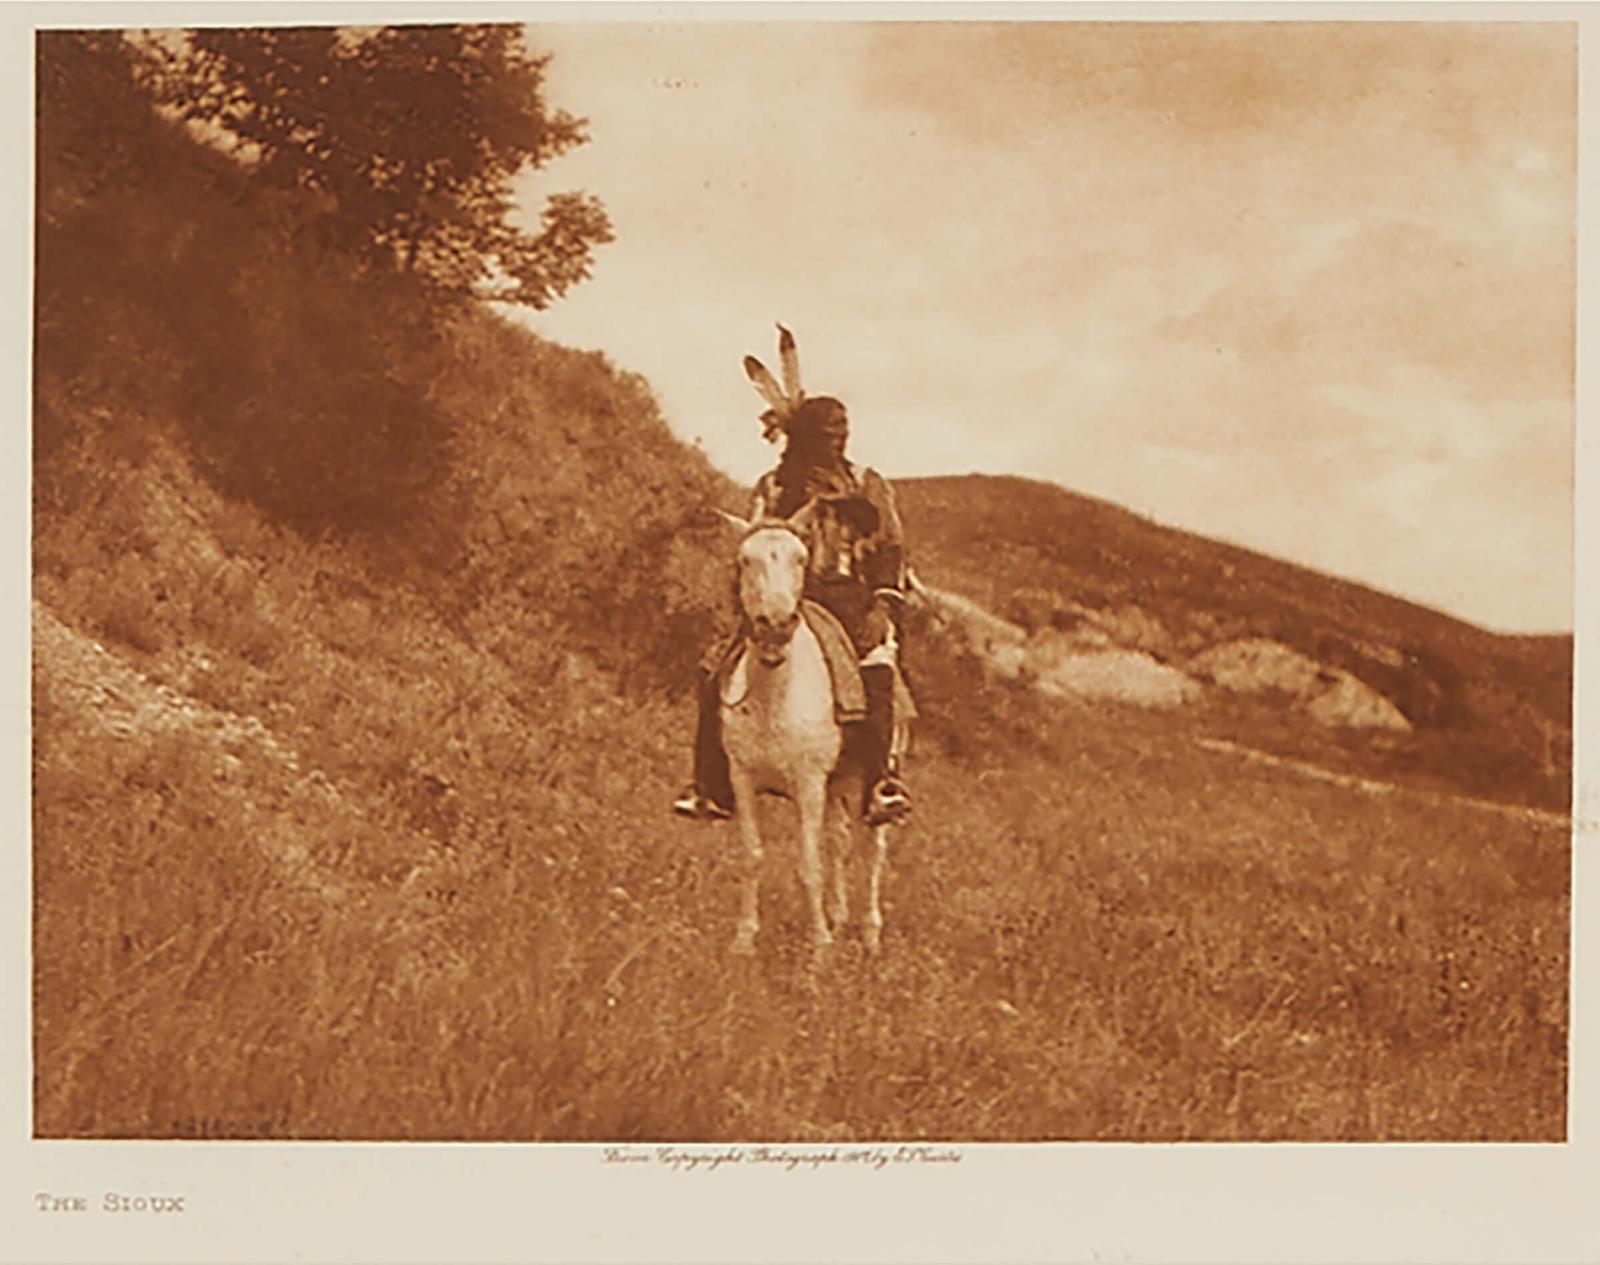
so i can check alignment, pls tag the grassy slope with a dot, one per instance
(352, 825)
(1492, 713)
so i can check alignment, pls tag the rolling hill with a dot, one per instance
(1407, 693)
(363, 634)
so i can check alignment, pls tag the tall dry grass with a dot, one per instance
(1133, 939)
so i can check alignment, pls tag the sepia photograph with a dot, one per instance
(818, 592)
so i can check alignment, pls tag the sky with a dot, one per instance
(1305, 287)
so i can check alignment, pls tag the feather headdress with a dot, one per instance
(782, 398)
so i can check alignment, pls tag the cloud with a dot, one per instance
(1230, 274)
(1447, 83)
(1397, 293)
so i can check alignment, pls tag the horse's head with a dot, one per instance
(772, 577)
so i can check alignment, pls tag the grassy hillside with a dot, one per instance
(362, 638)
(1492, 714)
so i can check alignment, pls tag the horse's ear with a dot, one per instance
(734, 521)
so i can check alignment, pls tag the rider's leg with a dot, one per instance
(886, 798)
(710, 795)
(710, 757)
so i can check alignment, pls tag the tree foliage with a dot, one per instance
(410, 141)
(93, 115)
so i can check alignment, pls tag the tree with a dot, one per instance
(410, 140)
(92, 116)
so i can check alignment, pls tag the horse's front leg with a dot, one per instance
(880, 855)
(744, 805)
(899, 746)
(811, 798)
(838, 835)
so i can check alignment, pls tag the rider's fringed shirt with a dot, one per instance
(856, 539)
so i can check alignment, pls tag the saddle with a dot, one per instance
(849, 695)
(844, 672)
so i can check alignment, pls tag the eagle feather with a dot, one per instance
(766, 384)
(789, 358)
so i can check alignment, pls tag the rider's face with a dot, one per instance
(834, 436)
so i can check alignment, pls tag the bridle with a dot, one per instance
(771, 643)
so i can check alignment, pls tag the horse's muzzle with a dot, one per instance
(772, 637)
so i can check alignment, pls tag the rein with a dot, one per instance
(760, 645)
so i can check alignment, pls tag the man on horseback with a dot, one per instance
(856, 570)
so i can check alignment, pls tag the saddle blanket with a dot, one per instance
(849, 695)
(844, 672)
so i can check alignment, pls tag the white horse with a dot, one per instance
(782, 737)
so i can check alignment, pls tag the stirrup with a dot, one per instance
(888, 803)
(694, 805)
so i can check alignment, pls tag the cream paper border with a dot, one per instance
(1043, 1202)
